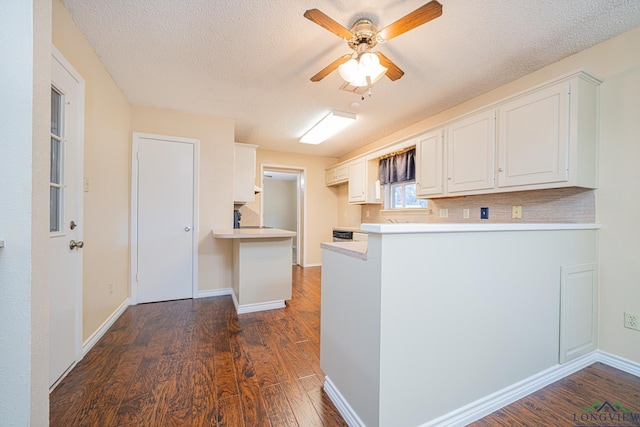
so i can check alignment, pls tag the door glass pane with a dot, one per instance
(55, 161)
(54, 209)
(56, 102)
(55, 175)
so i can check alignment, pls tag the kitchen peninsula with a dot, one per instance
(261, 267)
(426, 323)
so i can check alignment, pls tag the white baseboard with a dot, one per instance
(312, 265)
(93, 339)
(343, 406)
(618, 362)
(214, 293)
(493, 402)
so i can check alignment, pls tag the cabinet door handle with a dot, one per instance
(499, 169)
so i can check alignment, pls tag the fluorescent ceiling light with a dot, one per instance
(331, 124)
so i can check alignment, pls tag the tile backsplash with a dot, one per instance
(562, 205)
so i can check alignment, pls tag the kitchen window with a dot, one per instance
(403, 196)
(398, 174)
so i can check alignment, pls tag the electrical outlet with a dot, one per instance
(632, 321)
(465, 213)
(444, 213)
(484, 213)
(516, 212)
(366, 213)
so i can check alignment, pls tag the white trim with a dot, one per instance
(301, 171)
(133, 269)
(95, 337)
(495, 401)
(252, 308)
(341, 403)
(79, 208)
(618, 362)
(214, 293)
(317, 264)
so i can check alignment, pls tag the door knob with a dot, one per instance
(73, 244)
(187, 228)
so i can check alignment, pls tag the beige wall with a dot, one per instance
(107, 165)
(280, 204)
(618, 195)
(321, 201)
(215, 183)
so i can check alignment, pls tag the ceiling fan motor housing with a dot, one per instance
(364, 34)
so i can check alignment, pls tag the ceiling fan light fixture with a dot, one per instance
(330, 125)
(355, 72)
(349, 70)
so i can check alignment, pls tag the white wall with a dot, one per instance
(24, 119)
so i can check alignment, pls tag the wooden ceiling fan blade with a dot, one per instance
(327, 23)
(330, 68)
(420, 16)
(393, 71)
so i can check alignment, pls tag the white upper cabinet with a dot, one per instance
(244, 173)
(545, 137)
(429, 161)
(471, 153)
(534, 138)
(548, 138)
(357, 181)
(337, 175)
(364, 186)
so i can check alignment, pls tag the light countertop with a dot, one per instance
(252, 233)
(352, 249)
(475, 227)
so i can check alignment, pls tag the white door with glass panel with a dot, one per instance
(164, 235)
(65, 217)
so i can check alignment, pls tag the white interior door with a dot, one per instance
(65, 217)
(165, 222)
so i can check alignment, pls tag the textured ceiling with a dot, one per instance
(251, 60)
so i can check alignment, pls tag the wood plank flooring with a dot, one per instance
(577, 400)
(197, 363)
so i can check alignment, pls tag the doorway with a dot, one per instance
(164, 224)
(283, 205)
(65, 217)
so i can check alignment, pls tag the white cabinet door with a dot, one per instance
(471, 153)
(342, 173)
(357, 181)
(578, 311)
(330, 176)
(244, 173)
(533, 142)
(429, 164)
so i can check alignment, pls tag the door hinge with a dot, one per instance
(137, 280)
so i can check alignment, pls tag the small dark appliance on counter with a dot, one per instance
(236, 218)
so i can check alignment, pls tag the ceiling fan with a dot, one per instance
(363, 66)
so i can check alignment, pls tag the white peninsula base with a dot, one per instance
(430, 320)
(262, 270)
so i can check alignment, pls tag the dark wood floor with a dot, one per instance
(197, 363)
(598, 395)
